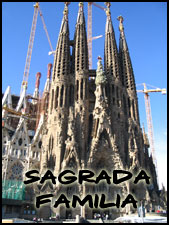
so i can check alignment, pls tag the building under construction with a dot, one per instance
(84, 119)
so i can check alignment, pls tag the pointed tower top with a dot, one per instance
(80, 17)
(100, 75)
(65, 11)
(81, 4)
(38, 76)
(120, 18)
(108, 4)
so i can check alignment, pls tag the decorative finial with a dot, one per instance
(38, 76)
(65, 11)
(120, 18)
(81, 4)
(99, 58)
(67, 3)
(108, 4)
(49, 70)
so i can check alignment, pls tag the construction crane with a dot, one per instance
(149, 118)
(30, 46)
(89, 30)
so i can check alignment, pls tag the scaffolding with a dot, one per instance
(13, 189)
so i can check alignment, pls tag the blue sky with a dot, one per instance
(145, 26)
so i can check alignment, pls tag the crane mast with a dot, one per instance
(149, 120)
(30, 47)
(89, 30)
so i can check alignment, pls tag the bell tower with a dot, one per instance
(56, 129)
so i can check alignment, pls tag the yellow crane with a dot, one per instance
(149, 118)
(30, 45)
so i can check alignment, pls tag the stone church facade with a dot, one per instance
(87, 119)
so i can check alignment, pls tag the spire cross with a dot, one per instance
(120, 18)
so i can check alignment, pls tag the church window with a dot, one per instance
(117, 92)
(17, 168)
(16, 152)
(133, 109)
(112, 89)
(24, 152)
(106, 89)
(61, 96)
(40, 144)
(90, 126)
(86, 88)
(70, 91)
(4, 151)
(33, 154)
(56, 98)
(20, 141)
(81, 89)
(72, 163)
(37, 154)
(77, 89)
(113, 101)
(20, 177)
(124, 105)
(21, 152)
(72, 95)
(129, 107)
(66, 90)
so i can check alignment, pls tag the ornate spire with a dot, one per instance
(80, 17)
(121, 28)
(125, 60)
(61, 66)
(65, 11)
(36, 91)
(108, 4)
(111, 53)
(100, 76)
(80, 39)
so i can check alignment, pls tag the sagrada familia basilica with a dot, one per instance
(85, 119)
